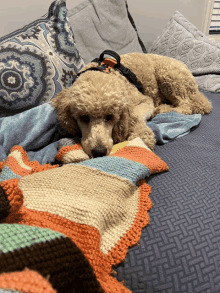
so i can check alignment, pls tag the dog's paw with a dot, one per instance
(147, 137)
(164, 108)
(71, 154)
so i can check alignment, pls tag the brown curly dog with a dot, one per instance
(107, 109)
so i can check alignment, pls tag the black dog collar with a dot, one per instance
(105, 66)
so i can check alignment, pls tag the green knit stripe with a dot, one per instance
(15, 236)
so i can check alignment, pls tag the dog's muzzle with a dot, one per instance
(99, 152)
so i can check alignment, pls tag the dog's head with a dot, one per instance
(95, 106)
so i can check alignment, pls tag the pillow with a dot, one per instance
(181, 40)
(37, 61)
(99, 25)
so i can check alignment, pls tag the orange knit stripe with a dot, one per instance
(25, 281)
(86, 237)
(43, 168)
(13, 164)
(1, 165)
(143, 156)
(67, 149)
(111, 285)
(25, 157)
(14, 194)
(132, 236)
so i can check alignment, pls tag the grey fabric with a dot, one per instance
(181, 40)
(37, 130)
(179, 250)
(99, 25)
(168, 126)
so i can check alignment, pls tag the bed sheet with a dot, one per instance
(179, 251)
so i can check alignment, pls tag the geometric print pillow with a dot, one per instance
(37, 61)
(181, 40)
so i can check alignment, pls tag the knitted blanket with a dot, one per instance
(64, 228)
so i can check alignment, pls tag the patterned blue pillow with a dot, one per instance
(37, 61)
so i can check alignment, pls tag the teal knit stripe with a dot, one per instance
(121, 167)
(7, 173)
(15, 236)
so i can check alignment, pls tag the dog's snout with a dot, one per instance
(99, 152)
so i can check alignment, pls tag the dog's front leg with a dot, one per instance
(145, 110)
(145, 133)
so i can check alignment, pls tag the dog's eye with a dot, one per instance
(85, 118)
(108, 117)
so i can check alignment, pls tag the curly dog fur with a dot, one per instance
(107, 109)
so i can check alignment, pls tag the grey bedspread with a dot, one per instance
(180, 250)
(39, 133)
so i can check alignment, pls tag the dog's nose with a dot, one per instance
(99, 152)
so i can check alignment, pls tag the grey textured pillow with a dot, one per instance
(181, 40)
(99, 25)
(37, 61)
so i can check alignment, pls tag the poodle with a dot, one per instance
(105, 108)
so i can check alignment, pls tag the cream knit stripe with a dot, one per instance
(18, 156)
(84, 195)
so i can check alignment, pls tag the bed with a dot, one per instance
(135, 221)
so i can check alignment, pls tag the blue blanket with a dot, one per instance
(172, 125)
(38, 131)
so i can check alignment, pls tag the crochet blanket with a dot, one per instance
(64, 228)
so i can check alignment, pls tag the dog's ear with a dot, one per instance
(62, 103)
(122, 130)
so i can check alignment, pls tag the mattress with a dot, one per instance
(179, 251)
